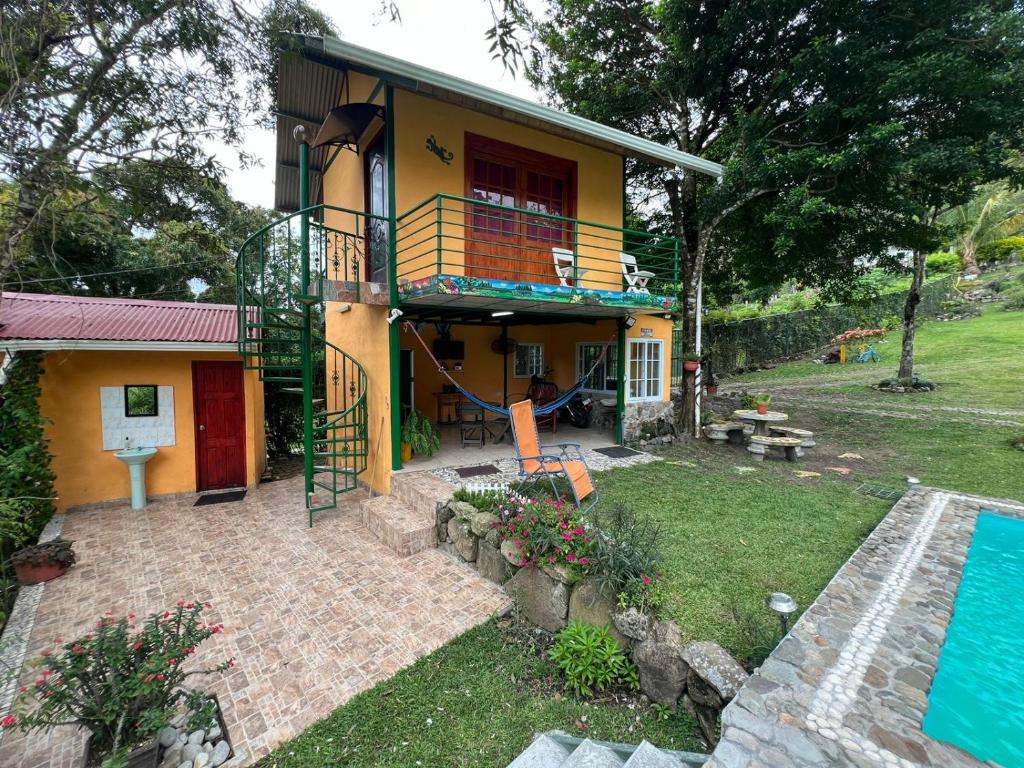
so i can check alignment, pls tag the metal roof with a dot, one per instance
(38, 316)
(310, 84)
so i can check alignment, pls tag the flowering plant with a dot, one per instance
(121, 682)
(858, 335)
(545, 530)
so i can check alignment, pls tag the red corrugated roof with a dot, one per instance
(78, 318)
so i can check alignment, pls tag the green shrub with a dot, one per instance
(1001, 250)
(591, 659)
(1013, 299)
(485, 501)
(624, 554)
(943, 262)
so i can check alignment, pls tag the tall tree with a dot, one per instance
(86, 85)
(804, 104)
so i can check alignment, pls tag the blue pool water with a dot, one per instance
(977, 697)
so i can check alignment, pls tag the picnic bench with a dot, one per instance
(725, 431)
(789, 446)
(805, 436)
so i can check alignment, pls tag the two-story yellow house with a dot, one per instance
(447, 224)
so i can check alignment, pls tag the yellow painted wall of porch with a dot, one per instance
(70, 401)
(420, 174)
(482, 367)
(362, 332)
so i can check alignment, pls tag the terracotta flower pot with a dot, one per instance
(406, 452)
(29, 573)
(712, 389)
(691, 365)
(762, 408)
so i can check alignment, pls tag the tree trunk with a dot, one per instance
(971, 260)
(910, 317)
(688, 393)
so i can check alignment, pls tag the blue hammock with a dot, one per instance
(542, 410)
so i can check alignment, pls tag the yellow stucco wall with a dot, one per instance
(362, 332)
(482, 368)
(70, 401)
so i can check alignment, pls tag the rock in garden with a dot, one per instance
(558, 572)
(207, 747)
(220, 753)
(444, 514)
(715, 676)
(462, 509)
(590, 606)
(543, 600)
(491, 564)
(662, 663)
(196, 737)
(493, 537)
(633, 623)
(463, 539)
(167, 736)
(172, 757)
(481, 523)
(214, 733)
(510, 552)
(189, 752)
(201, 760)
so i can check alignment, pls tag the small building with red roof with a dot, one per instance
(135, 373)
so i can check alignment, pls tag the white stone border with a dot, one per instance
(18, 630)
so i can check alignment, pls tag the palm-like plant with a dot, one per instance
(996, 212)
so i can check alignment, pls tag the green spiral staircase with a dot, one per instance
(281, 274)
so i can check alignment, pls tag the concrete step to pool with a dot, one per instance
(402, 529)
(559, 750)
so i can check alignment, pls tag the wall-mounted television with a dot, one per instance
(449, 349)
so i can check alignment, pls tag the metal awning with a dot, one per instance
(310, 85)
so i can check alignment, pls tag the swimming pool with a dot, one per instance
(977, 696)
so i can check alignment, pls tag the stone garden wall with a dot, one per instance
(700, 676)
(650, 423)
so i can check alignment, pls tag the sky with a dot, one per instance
(446, 35)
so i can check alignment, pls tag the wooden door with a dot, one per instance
(376, 186)
(219, 407)
(512, 245)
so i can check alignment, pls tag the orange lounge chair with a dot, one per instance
(541, 461)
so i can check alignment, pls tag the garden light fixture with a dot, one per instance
(630, 321)
(783, 606)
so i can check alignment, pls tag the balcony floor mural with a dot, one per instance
(451, 286)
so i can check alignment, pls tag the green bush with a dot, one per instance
(591, 659)
(1001, 250)
(624, 555)
(943, 262)
(486, 501)
(1013, 298)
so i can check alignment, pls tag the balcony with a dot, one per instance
(482, 256)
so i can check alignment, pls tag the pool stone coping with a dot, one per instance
(848, 686)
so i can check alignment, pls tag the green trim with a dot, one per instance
(620, 384)
(307, 327)
(341, 54)
(394, 343)
(376, 90)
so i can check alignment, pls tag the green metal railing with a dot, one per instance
(281, 272)
(448, 234)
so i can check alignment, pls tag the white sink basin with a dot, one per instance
(136, 459)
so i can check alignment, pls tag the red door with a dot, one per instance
(219, 406)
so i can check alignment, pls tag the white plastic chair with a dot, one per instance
(563, 267)
(636, 279)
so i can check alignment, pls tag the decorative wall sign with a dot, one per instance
(646, 332)
(443, 154)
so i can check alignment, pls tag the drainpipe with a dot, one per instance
(8, 359)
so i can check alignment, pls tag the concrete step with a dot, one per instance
(544, 752)
(402, 529)
(591, 755)
(649, 756)
(421, 491)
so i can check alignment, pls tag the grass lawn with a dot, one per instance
(475, 702)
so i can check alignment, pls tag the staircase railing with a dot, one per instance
(272, 339)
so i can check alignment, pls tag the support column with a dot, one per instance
(394, 342)
(620, 383)
(307, 319)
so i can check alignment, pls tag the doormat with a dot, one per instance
(480, 469)
(219, 498)
(617, 452)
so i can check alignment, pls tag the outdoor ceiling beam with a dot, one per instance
(298, 117)
(286, 164)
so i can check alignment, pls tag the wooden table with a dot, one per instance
(761, 420)
(447, 404)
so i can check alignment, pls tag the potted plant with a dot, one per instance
(44, 561)
(123, 683)
(712, 385)
(691, 362)
(419, 434)
(761, 403)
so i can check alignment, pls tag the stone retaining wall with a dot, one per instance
(650, 423)
(700, 675)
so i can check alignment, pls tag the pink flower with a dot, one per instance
(8, 721)
(551, 559)
(180, 603)
(584, 561)
(570, 558)
(559, 504)
(647, 580)
(46, 652)
(518, 543)
(567, 536)
(579, 531)
(138, 646)
(563, 525)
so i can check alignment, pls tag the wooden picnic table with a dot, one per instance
(760, 420)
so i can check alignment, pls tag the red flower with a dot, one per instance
(567, 536)
(76, 648)
(46, 652)
(189, 606)
(563, 525)
(180, 603)
(8, 721)
(217, 628)
(647, 580)
(167, 615)
(551, 559)
(579, 531)
(570, 558)
(40, 682)
(172, 662)
(161, 677)
(46, 672)
(138, 646)
(584, 561)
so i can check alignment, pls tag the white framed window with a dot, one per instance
(529, 361)
(646, 360)
(606, 374)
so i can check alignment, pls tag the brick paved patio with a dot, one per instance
(313, 616)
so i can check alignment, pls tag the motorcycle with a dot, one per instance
(579, 411)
